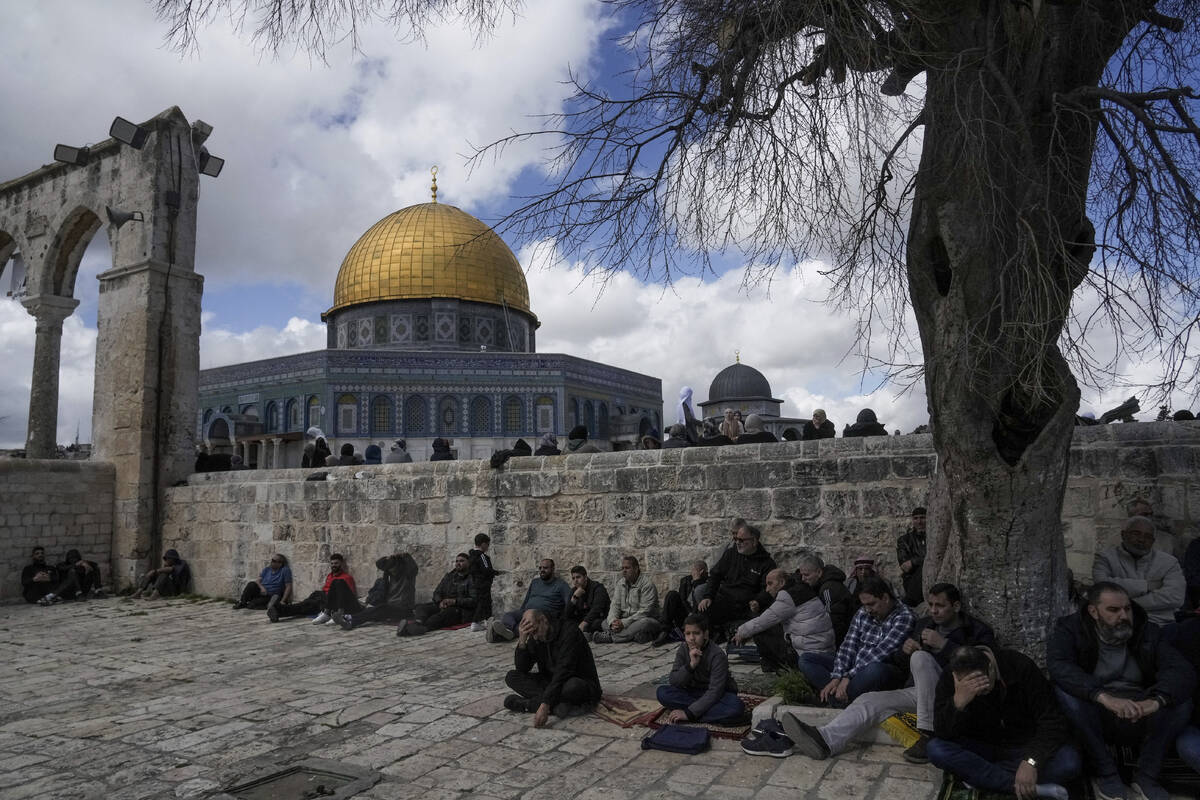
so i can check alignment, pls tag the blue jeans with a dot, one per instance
(1188, 746)
(728, 707)
(1092, 720)
(994, 769)
(877, 677)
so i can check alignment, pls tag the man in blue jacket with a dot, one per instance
(547, 593)
(1117, 678)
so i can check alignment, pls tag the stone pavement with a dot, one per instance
(121, 699)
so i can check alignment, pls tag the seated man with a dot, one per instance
(1118, 680)
(926, 652)
(700, 688)
(78, 578)
(998, 727)
(589, 604)
(829, 583)
(348, 457)
(484, 575)
(392, 597)
(863, 662)
(274, 585)
(1185, 637)
(677, 604)
(633, 612)
(796, 612)
(1153, 579)
(565, 683)
(864, 567)
(547, 593)
(1191, 574)
(739, 577)
(454, 602)
(819, 427)
(338, 594)
(168, 580)
(38, 578)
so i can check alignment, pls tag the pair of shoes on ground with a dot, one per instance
(918, 753)
(346, 621)
(49, 600)
(476, 627)
(1111, 787)
(499, 632)
(602, 637)
(525, 705)
(324, 618)
(768, 738)
(807, 738)
(667, 636)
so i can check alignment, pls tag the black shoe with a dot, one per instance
(344, 620)
(273, 613)
(662, 639)
(807, 738)
(918, 754)
(238, 605)
(515, 702)
(643, 637)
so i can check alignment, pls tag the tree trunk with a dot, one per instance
(999, 241)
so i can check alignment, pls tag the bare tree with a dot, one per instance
(987, 163)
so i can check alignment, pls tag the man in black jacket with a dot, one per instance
(38, 578)
(910, 555)
(738, 578)
(677, 604)
(819, 427)
(454, 602)
(1117, 679)
(998, 727)
(588, 606)
(392, 597)
(829, 583)
(566, 681)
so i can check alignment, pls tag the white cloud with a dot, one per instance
(219, 347)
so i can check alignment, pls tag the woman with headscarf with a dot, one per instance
(548, 446)
(731, 426)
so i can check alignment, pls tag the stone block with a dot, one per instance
(665, 506)
(624, 507)
(817, 471)
(631, 479)
(839, 504)
(766, 474)
(723, 476)
(1079, 501)
(794, 503)
(1137, 463)
(867, 469)
(890, 501)
(750, 504)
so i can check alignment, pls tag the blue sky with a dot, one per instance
(316, 154)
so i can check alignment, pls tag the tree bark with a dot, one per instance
(998, 242)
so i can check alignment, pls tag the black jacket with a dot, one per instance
(910, 546)
(973, 631)
(1020, 711)
(565, 655)
(31, 591)
(715, 441)
(547, 450)
(457, 586)
(836, 597)
(674, 443)
(762, 437)
(864, 429)
(825, 430)
(481, 569)
(740, 578)
(398, 584)
(1185, 637)
(592, 607)
(1073, 650)
(441, 451)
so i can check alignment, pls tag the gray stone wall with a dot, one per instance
(842, 497)
(56, 504)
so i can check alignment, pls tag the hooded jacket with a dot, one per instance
(971, 631)
(833, 593)
(398, 455)
(803, 617)
(441, 451)
(592, 608)
(865, 425)
(398, 584)
(740, 578)
(1074, 649)
(459, 587)
(825, 430)
(1155, 581)
(548, 446)
(564, 655)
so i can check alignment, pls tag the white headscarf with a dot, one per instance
(685, 400)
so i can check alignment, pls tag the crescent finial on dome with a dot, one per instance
(433, 187)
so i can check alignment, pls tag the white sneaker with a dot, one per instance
(478, 626)
(331, 621)
(322, 618)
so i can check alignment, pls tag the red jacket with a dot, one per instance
(341, 576)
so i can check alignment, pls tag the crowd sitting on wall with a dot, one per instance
(1123, 666)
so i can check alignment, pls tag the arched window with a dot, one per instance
(447, 421)
(658, 422)
(644, 427)
(589, 417)
(314, 412)
(294, 422)
(208, 412)
(226, 410)
(251, 410)
(602, 431)
(271, 423)
(481, 416)
(572, 412)
(381, 415)
(219, 432)
(415, 423)
(512, 415)
(544, 414)
(347, 414)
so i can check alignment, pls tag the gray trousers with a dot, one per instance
(647, 625)
(873, 708)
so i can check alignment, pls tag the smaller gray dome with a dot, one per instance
(739, 381)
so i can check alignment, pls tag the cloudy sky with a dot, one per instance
(316, 153)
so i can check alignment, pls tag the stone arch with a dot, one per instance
(447, 415)
(347, 415)
(416, 414)
(589, 417)
(312, 411)
(293, 416)
(271, 420)
(543, 414)
(602, 425)
(71, 239)
(513, 415)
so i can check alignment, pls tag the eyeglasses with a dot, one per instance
(743, 538)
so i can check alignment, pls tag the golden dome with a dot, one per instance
(431, 250)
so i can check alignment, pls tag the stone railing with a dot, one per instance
(59, 505)
(841, 497)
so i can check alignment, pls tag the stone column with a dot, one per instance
(275, 453)
(41, 441)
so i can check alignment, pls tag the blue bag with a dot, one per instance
(684, 739)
